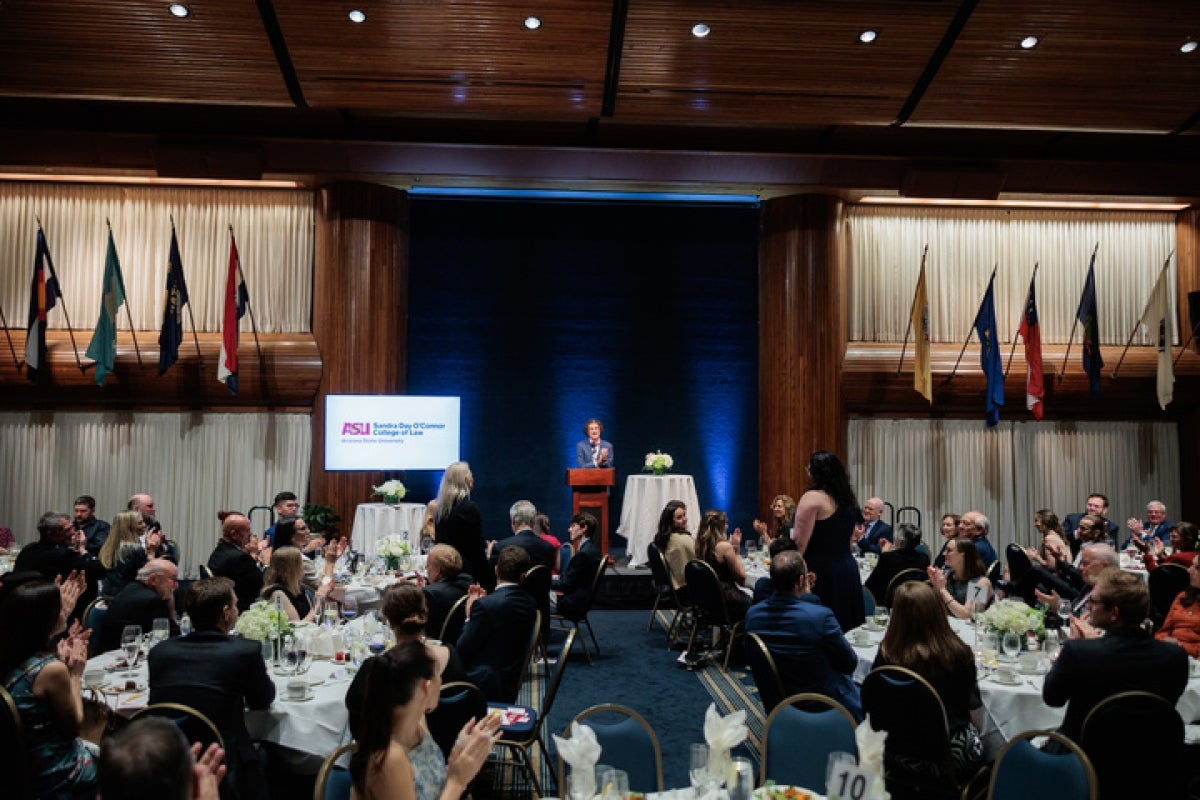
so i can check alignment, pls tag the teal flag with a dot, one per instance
(103, 347)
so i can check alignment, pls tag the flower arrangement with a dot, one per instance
(1013, 616)
(392, 491)
(658, 462)
(262, 622)
(392, 549)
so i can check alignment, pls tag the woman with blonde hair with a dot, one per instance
(783, 510)
(283, 581)
(123, 552)
(459, 524)
(721, 553)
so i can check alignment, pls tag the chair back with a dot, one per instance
(556, 676)
(995, 571)
(704, 589)
(333, 781)
(1165, 583)
(456, 618)
(903, 576)
(658, 569)
(18, 782)
(1024, 772)
(206, 571)
(565, 553)
(904, 704)
(535, 635)
(627, 742)
(868, 601)
(459, 702)
(601, 568)
(800, 734)
(195, 725)
(766, 674)
(93, 620)
(1018, 562)
(536, 581)
(1135, 716)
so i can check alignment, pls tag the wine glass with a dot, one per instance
(304, 662)
(1011, 644)
(698, 769)
(131, 643)
(349, 607)
(1064, 613)
(291, 656)
(377, 644)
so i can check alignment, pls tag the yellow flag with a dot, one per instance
(922, 378)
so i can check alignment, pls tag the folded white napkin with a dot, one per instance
(722, 735)
(581, 752)
(870, 755)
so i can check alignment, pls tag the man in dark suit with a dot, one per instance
(236, 558)
(540, 551)
(573, 589)
(875, 530)
(151, 596)
(1097, 505)
(447, 584)
(904, 555)
(1155, 526)
(95, 530)
(218, 675)
(495, 640)
(59, 551)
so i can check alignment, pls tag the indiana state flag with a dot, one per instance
(103, 347)
(989, 353)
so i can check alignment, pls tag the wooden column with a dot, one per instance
(360, 317)
(801, 339)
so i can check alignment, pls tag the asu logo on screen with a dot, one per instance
(356, 429)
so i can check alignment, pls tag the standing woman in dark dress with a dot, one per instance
(825, 517)
(459, 524)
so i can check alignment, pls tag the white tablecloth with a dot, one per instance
(645, 498)
(373, 521)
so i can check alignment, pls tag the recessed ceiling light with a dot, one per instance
(357, 16)
(866, 37)
(178, 10)
(1029, 42)
(700, 30)
(1188, 46)
(533, 23)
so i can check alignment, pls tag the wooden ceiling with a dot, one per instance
(1107, 81)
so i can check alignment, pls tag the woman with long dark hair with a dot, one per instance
(397, 757)
(459, 524)
(825, 518)
(964, 568)
(1184, 542)
(1182, 625)
(675, 541)
(720, 552)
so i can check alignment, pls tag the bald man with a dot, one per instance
(875, 530)
(150, 597)
(236, 558)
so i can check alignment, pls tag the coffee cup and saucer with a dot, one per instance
(860, 637)
(298, 691)
(1007, 675)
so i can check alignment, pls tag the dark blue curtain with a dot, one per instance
(541, 315)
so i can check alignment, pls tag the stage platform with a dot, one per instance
(625, 587)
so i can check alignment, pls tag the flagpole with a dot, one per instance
(66, 316)
(1182, 350)
(1063, 369)
(967, 341)
(1013, 351)
(128, 315)
(249, 305)
(7, 335)
(191, 317)
(908, 330)
(1138, 324)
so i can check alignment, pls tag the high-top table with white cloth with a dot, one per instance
(373, 521)
(645, 498)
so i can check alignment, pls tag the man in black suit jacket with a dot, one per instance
(540, 551)
(236, 558)
(151, 596)
(95, 530)
(446, 586)
(897, 559)
(574, 589)
(1097, 505)
(875, 530)
(1126, 658)
(218, 675)
(59, 551)
(495, 641)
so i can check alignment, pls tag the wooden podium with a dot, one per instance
(589, 492)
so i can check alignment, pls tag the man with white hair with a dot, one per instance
(1156, 525)
(150, 597)
(540, 551)
(975, 525)
(874, 530)
(1093, 559)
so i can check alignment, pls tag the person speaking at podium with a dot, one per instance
(593, 451)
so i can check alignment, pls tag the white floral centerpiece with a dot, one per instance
(658, 462)
(392, 491)
(1013, 616)
(392, 549)
(262, 622)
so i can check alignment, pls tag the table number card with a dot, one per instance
(850, 782)
(977, 593)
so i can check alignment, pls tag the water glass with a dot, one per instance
(741, 779)
(614, 785)
(1011, 644)
(131, 644)
(881, 616)
(291, 656)
(161, 631)
(185, 625)
(1052, 644)
(304, 662)
(330, 614)
(349, 606)
(698, 767)
(836, 759)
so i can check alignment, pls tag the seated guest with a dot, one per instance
(675, 541)
(804, 637)
(903, 555)
(151, 758)
(541, 526)
(720, 552)
(446, 583)
(127, 549)
(295, 533)
(762, 587)
(1046, 523)
(236, 557)
(1155, 526)
(977, 530)
(1183, 540)
(1094, 558)
(1125, 658)
(407, 615)
(965, 569)
(949, 530)
(46, 687)
(151, 596)
(95, 530)
(783, 511)
(574, 590)
(920, 638)
(218, 675)
(1182, 625)
(285, 506)
(144, 505)
(59, 551)
(1096, 506)
(1090, 529)
(396, 756)
(521, 517)
(494, 641)
(283, 585)
(874, 530)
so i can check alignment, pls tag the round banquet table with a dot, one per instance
(645, 498)
(373, 521)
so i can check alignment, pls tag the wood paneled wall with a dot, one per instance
(360, 317)
(801, 339)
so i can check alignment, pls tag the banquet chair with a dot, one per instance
(704, 588)
(456, 618)
(1018, 562)
(196, 726)
(565, 553)
(93, 620)
(995, 572)
(536, 581)
(582, 619)
(868, 602)
(765, 672)
(1135, 716)
(205, 571)
(13, 761)
(903, 576)
(916, 758)
(520, 738)
(627, 742)
(1023, 772)
(333, 781)
(1165, 584)
(460, 702)
(799, 736)
(664, 590)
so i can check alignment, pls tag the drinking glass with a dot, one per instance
(131, 643)
(330, 614)
(614, 785)
(185, 625)
(161, 631)
(349, 607)
(1052, 644)
(991, 643)
(1011, 644)
(358, 653)
(836, 759)
(698, 767)
(304, 662)
(377, 644)
(881, 616)
(751, 550)
(291, 656)
(1064, 613)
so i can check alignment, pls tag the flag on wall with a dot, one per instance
(43, 294)
(175, 297)
(989, 353)
(1089, 318)
(919, 319)
(103, 347)
(1031, 334)
(1159, 324)
(236, 299)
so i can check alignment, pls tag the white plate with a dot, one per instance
(1016, 681)
(309, 695)
(120, 688)
(777, 792)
